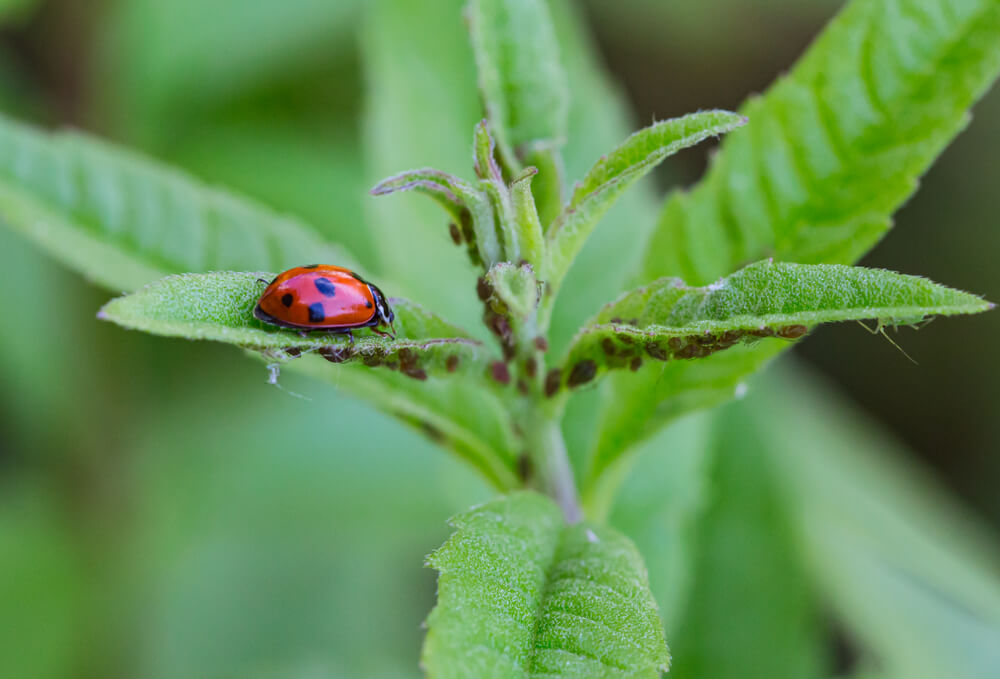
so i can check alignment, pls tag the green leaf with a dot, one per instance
(609, 177)
(460, 415)
(751, 612)
(151, 91)
(835, 147)
(522, 594)
(831, 151)
(599, 119)
(669, 320)
(124, 221)
(420, 81)
(526, 219)
(911, 574)
(469, 207)
(219, 307)
(521, 78)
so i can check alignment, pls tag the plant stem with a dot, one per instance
(553, 472)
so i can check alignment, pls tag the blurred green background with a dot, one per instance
(166, 513)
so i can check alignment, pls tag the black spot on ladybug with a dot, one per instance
(552, 381)
(316, 313)
(325, 287)
(368, 304)
(582, 372)
(310, 266)
(287, 299)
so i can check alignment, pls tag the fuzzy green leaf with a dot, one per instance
(446, 189)
(669, 320)
(219, 307)
(469, 207)
(837, 146)
(522, 594)
(527, 220)
(521, 78)
(124, 221)
(832, 150)
(609, 177)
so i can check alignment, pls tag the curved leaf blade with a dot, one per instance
(834, 148)
(649, 329)
(521, 77)
(125, 221)
(609, 177)
(837, 145)
(219, 307)
(522, 594)
(668, 320)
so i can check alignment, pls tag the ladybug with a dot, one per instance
(324, 297)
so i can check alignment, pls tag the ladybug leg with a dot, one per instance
(350, 336)
(303, 333)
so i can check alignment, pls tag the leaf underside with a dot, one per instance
(521, 594)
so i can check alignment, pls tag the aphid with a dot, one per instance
(324, 297)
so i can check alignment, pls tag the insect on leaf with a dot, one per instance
(219, 306)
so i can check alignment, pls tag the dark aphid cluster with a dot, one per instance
(627, 350)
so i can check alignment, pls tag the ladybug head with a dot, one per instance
(382, 309)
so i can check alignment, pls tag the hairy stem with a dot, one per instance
(552, 471)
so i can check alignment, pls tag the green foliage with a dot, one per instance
(837, 145)
(526, 588)
(521, 594)
(668, 320)
(764, 615)
(219, 307)
(912, 576)
(124, 221)
(609, 177)
(833, 149)
(521, 77)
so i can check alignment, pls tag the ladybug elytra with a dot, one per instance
(324, 297)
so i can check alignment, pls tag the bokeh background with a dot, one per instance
(166, 513)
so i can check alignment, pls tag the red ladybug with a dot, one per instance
(324, 297)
